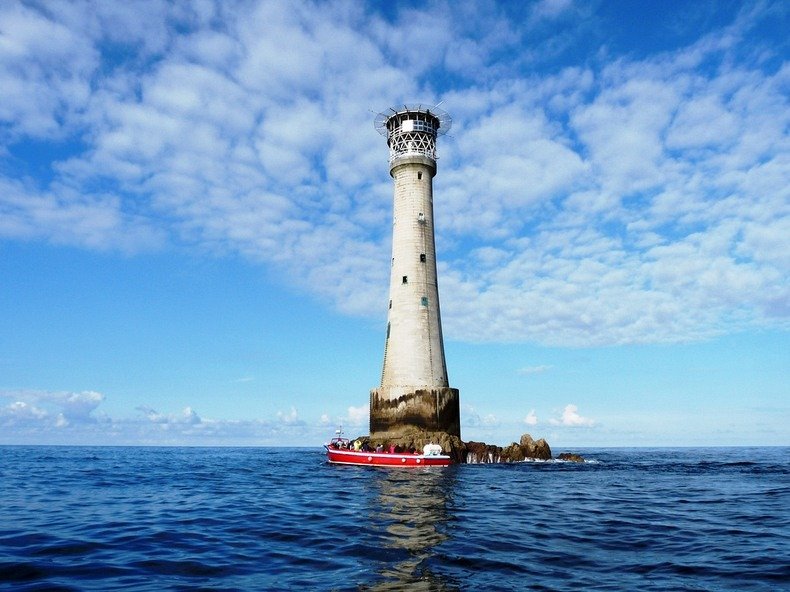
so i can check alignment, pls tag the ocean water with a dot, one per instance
(88, 518)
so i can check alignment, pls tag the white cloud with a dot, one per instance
(570, 418)
(49, 408)
(471, 418)
(24, 411)
(80, 405)
(45, 67)
(531, 419)
(290, 418)
(491, 420)
(186, 417)
(413, 43)
(549, 9)
(63, 417)
(358, 416)
(602, 268)
(632, 200)
(64, 216)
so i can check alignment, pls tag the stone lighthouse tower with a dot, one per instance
(414, 391)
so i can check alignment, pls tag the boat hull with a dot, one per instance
(384, 459)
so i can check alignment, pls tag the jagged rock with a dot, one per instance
(480, 452)
(526, 441)
(470, 452)
(513, 453)
(526, 448)
(571, 457)
(531, 448)
(542, 450)
(415, 439)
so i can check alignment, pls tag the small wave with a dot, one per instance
(561, 461)
(282, 519)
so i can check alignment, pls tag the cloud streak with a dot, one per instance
(62, 417)
(628, 200)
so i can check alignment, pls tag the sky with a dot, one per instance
(195, 218)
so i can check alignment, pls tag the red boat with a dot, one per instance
(341, 451)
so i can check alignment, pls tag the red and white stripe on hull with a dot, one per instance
(384, 459)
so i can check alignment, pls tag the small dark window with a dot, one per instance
(419, 175)
(422, 257)
(405, 279)
(388, 330)
(424, 301)
(390, 303)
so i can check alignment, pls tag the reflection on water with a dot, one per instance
(411, 510)
(109, 518)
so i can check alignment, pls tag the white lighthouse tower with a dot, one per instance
(414, 391)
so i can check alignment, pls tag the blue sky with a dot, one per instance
(195, 218)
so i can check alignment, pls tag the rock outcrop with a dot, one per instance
(415, 439)
(571, 457)
(526, 448)
(411, 439)
(480, 452)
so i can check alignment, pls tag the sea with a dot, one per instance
(156, 519)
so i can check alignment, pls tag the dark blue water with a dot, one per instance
(276, 519)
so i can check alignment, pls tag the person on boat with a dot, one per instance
(392, 449)
(380, 448)
(357, 445)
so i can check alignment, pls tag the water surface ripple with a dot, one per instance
(87, 518)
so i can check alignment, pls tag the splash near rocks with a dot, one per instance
(571, 457)
(526, 449)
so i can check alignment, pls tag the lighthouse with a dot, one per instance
(414, 391)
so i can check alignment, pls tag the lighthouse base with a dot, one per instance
(432, 409)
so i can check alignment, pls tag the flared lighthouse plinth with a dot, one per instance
(394, 410)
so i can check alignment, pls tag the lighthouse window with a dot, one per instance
(422, 126)
(405, 279)
(419, 175)
(390, 303)
(424, 301)
(422, 257)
